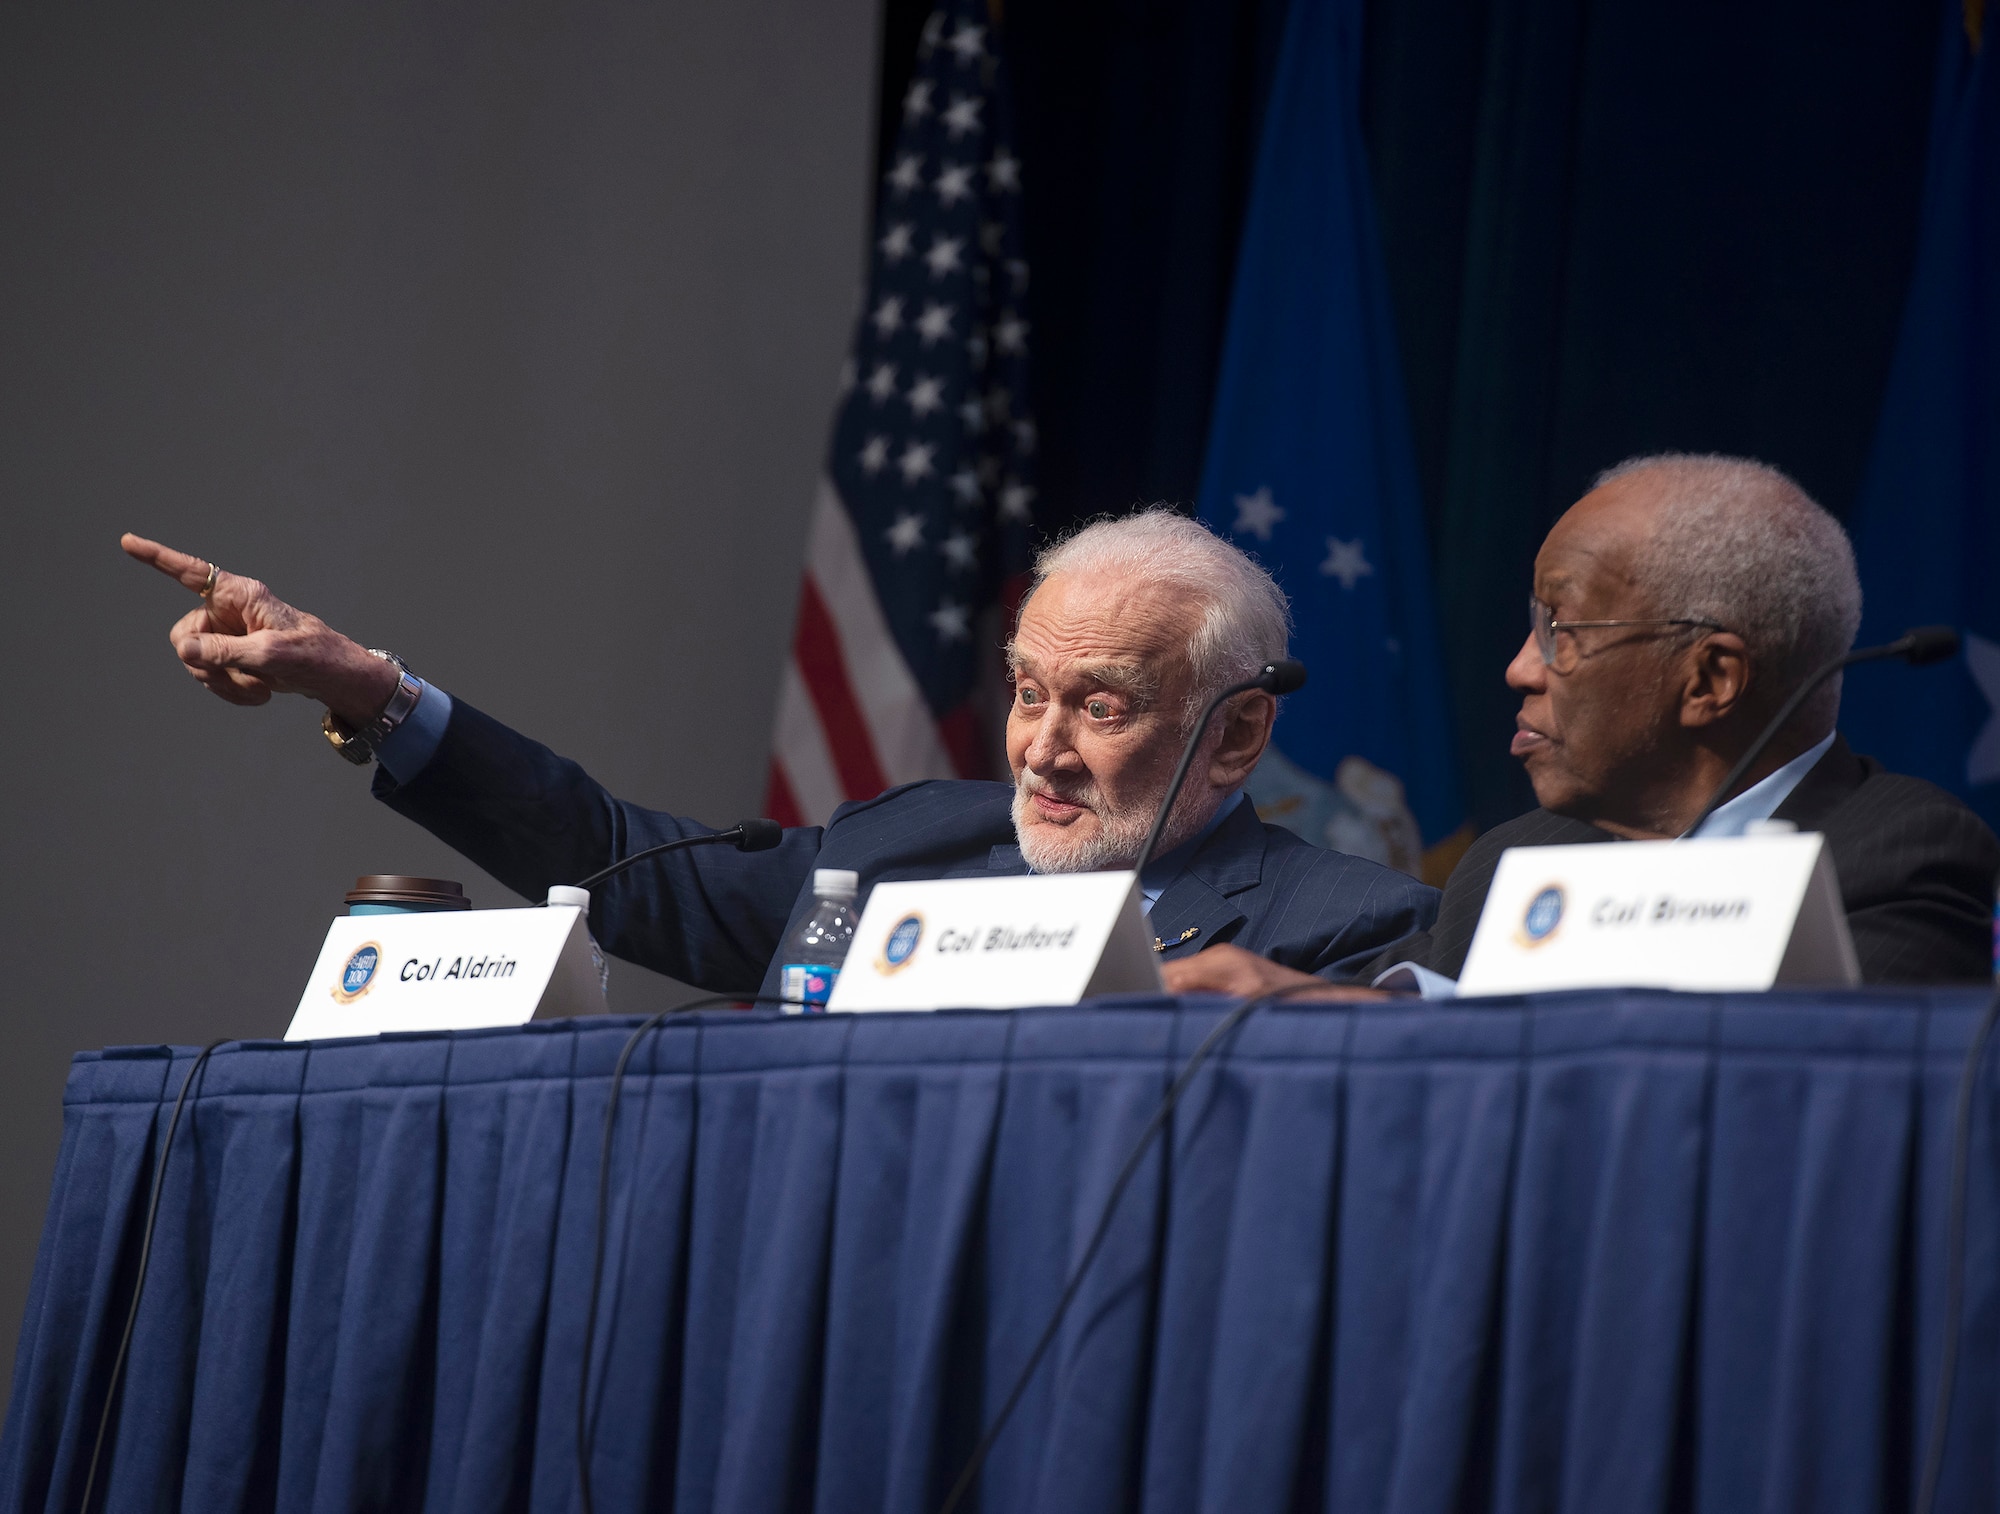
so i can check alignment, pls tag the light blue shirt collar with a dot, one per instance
(1761, 800)
(1161, 872)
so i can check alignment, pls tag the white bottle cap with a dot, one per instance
(835, 882)
(562, 893)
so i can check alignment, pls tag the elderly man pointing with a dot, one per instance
(1130, 626)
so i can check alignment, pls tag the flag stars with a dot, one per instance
(1346, 561)
(962, 119)
(943, 258)
(917, 101)
(973, 413)
(916, 461)
(1010, 333)
(960, 552)
(975, 348)
(888, 316)
(895, 243)
(1257, 513)
(882, 382)
(1014, 502)
(965, 484)
(1003, 172)
(934, 325)
(906, 535)
(908, 174)
(874, 456)
(1017, 275)
(990, 233)
(926, 394)
(998, 406)
(951, 621)
(954, 183)
(967, 43)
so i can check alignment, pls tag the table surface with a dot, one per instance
(1584, 1251)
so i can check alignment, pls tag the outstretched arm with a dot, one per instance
(244, 644)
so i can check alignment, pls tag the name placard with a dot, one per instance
(998, 943)
(453, 970)
(1742, 913)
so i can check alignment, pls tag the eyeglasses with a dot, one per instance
(1562, 656)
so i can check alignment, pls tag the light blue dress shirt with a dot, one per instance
(406, 751)
(1758, 802)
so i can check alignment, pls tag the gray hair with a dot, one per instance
(1245, 619)
(1742, 545)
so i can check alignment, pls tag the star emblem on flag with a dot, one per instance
(1256, 514)
(1347, 562)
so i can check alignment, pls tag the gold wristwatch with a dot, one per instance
(358, 747)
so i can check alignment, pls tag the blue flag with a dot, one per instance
(1927, 528)
(1310, 467)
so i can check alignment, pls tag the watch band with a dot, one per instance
(358, 747)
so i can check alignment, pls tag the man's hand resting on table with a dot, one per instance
(244, 644)
(1231, 970)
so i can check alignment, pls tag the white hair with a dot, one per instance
(1245, 619)
(1742, 545)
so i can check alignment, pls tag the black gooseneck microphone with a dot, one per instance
(1918, 647)
(1284, 676)
(745, 836)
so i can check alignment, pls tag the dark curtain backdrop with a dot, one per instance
(1609, 229)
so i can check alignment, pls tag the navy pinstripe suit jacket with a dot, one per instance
(1916, 869)
(713, 916)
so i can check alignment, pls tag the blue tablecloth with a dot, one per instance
(1584, 1252)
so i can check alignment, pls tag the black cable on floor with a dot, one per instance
(1954, 1260)
(632, 1041)
(139, 1283)
(1154, 1126)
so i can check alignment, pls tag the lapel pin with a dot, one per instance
(1181, 940)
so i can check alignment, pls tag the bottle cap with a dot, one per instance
(562, 893)
(836, 881)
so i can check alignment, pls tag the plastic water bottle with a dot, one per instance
(579, 898)
(813, 952)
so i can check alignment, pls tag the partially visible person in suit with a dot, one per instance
(1130, 627)
(1675, 607)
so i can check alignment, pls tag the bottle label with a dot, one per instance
(808, 985)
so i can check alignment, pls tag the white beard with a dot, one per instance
(1115, 841)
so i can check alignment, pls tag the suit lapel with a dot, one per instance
(1826, 783)
(1199, 907)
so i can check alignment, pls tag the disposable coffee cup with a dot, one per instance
(395, 894)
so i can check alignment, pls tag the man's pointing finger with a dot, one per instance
(190, 572)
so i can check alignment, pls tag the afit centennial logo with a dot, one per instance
(1544, 914)
(358, 976)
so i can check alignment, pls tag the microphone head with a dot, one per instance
(1285, 676)
(758, 835)
(1928, 644)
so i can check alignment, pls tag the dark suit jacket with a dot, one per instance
(1916, 869)
(714, 916)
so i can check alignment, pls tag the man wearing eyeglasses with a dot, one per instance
(1675, 607)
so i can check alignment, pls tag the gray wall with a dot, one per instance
(503, 336)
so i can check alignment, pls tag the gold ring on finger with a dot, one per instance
(208, 588)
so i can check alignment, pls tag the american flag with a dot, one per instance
(920, 530)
